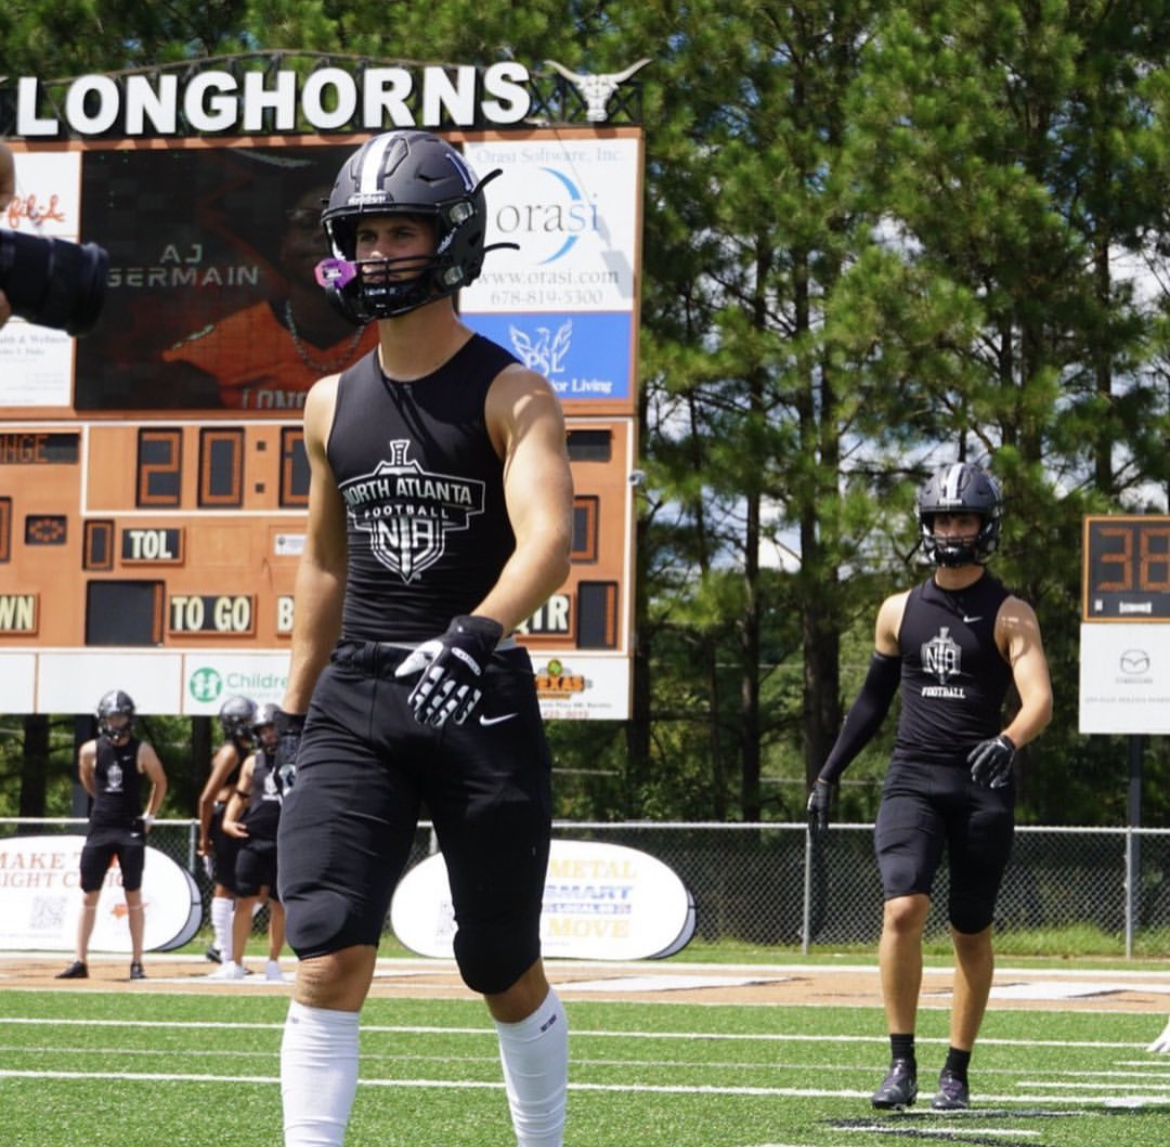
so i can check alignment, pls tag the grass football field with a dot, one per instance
(131, 1068)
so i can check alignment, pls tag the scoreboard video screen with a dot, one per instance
(153, 481)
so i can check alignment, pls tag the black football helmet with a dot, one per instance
(960, 489)
(115, 703)
(404, 173)
(237, 715)
(264, 726)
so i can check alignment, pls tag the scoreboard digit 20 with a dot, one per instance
(186, 534)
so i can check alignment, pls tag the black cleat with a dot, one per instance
(136, 972)
(953, 1093)
(214, 954)
(900, 1087)
(76, 971)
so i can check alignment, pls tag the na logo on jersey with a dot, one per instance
(408, 511)
(942, 656)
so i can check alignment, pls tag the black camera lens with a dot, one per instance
(52, 282)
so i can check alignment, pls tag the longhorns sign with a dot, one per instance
(335, 93)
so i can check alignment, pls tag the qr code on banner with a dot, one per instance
(48, 913)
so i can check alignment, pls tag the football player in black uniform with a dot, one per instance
(218, 849)
(955, 644)
(112, 768)
(440, 514)
(252, 816)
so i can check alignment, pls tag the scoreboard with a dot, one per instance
(153, 493)
(1126, 568)
(1125, 638)
(183, 537)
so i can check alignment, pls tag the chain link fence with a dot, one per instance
(764, 884)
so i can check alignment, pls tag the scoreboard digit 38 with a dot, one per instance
(153, 480)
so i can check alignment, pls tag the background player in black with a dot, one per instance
(439, 519)
(218, 849)
(111, 768)
(252, 816)
(955, 644)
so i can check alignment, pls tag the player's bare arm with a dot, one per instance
(320, 581)
(238, 801)
(151, 767)
(86, 763)
(1017, 633)
(528, 430)
(889, 624)
(225, 759)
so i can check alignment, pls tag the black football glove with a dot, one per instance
(991, 761)
(819, 801)
(289, 727)
(452, 667)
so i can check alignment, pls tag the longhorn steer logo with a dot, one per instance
(597, 91)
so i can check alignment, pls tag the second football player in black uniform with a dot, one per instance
(954, 644)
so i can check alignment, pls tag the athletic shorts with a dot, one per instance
(926, 809)
(224, 848)
(365, 771)
(256, 867)
(100, 848)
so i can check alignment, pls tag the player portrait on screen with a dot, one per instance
(212, 300)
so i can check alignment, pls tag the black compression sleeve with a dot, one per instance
(865, 716)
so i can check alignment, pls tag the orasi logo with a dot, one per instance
(205, 685)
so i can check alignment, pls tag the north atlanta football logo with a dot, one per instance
(408, 511)
(942, 657)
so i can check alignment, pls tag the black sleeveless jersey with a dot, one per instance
(117, 783)
(263, 814)
(954, 678)
(427, 527)
(242, 753)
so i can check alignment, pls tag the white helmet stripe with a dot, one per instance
(950, 487)
(370, 179)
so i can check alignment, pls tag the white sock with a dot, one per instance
(318, 1075)
(222, 911)
(535, 1055)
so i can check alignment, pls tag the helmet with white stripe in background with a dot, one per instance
(960, 488)
(404, 173)
(264, 728)
(115, 716)
(236, 717)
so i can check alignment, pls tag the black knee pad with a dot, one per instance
(969, 917)
(317, 922)
(492, 963)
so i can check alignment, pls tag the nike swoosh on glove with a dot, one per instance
(991, 761)
(452, 669)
